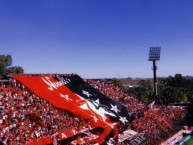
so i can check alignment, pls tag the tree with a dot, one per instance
(6, 66)
(5, 60)
(173, 89)
(15, 69)
(177, 89)
(143, 92)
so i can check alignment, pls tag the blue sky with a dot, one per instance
(98, 38)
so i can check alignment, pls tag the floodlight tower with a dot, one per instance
(154, 55)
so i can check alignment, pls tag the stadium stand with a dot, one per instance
(26, 117)
(157, 123)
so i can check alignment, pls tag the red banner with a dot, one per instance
(43, 141)
(60, 96)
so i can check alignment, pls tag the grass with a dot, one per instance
(190, 142)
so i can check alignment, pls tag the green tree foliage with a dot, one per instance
(5, 60)
(6, 66)
(173, 89)
(144, 92)
(177, 89)
(141, 93)
(15, 69)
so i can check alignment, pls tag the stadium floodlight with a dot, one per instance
(154, 55)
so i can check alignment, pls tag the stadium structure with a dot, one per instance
(65, 109)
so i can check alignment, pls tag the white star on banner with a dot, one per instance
(123, 119)
(65, 97)
(114, 108)
(86, 93)
(92, 105)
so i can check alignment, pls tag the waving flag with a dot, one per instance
(62, 97)
(114, 110)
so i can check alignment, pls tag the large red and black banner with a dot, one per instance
(115, 111)
(60, 96)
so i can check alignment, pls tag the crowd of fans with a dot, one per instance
(117, 94)
(25, 117)
(156, 122)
